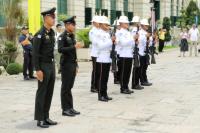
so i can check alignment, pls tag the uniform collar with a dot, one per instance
(46, 30)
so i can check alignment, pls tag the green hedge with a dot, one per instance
(14, 68)
(83, 35)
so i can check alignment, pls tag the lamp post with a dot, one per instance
(153, 23)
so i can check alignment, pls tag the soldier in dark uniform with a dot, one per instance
(67, 46)
(25, 40)
(43, 55)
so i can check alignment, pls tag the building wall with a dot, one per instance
(138, 7)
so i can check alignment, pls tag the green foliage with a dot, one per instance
(166, 25)
(0, 72)
(62, 17)
(10, 47)
(14, 16)
(188, 15)
(14, 68)
(191, 11)
(83, 35)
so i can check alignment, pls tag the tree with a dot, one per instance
(191, 12)
(166, 25)
(13, 14)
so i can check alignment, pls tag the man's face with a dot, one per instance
(105, 27)
(50, 20)
(59, 28)
(146, 27)
(71, 27)
(124, 25)
(25, 31)
(96, 24)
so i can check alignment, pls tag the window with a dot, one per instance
(177, 8)
(130, 15)
(113, 11)
(98, 6)
(126, 7)
(2, 22)
(157, 10)
(172, 7)
(88, 16)
(62, 6)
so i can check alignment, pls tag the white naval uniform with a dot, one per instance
(126, 43)
(143, 59)
(93, 39)
(117, 47)
(104, 47)
(142, 42)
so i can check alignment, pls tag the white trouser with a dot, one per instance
(193, 44)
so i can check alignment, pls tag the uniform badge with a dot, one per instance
(47, 36)
(39, 36)
(59, 38)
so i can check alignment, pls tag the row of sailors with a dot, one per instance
(125, 41)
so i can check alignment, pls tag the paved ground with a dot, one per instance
(171, 105)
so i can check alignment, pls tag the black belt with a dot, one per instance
(47, 60)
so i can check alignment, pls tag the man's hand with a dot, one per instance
(79, 45)
(113, 39)
(136, 37)
(40, 75)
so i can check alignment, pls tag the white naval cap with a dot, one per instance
(144, 22)
(104, 20)
(95, 19)
(123, 19)
(136, 19)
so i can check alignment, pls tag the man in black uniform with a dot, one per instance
(67, 46)
(43, 55)
(25, 40)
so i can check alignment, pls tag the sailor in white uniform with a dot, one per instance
(126, 43)
(103, 62)
(143, 35)
(136, 71)
(93, 39)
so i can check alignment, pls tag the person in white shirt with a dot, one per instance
(136, 70)
(117, 49)
(194, 35)
(58, 32)
(126, 43)
(184, 42)
(142, 52)
(103, 61)
(93, 39)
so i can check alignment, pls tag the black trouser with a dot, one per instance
(45, 91)
(28, 64)
(102, 72)
(161, 45)
(126, 66)
(135, 76)
(143, 69)
(117, 74)
(68, 74)
(93, 77)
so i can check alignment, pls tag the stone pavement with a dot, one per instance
(171, 105)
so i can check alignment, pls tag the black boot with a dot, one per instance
(42, 124)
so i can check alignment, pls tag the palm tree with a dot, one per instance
(13, 14)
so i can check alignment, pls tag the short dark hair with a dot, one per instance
(58, 25)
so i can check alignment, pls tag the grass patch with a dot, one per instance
(171, 47)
